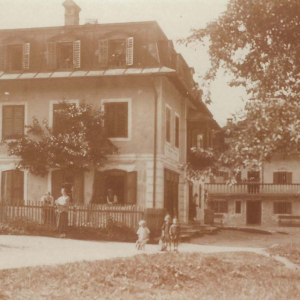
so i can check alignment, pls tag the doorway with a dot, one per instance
(171, 184)
(253, 212)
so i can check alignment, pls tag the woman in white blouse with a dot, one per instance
(111, 197)
(62, 204)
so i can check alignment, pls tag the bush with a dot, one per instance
(24, 226)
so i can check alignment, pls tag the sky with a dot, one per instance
(175, 17)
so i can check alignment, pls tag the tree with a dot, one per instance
(78, 144)
(257, 41)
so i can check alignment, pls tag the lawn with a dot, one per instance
(159, 276)
(290, 250)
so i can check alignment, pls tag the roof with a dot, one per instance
(196, 116)
(86, 73)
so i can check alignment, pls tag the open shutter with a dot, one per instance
(103, 53)
(18, 120)
(289, 178)
(131, 187)
(99, 191)
(57, 180)
(122, 119)
(275, 178)
(18, 187)
(129, 51)
(26, 56)
(76, 54)
(7, 122)
(78, 187)
(2, 57)
(6, 185)
(51, 56)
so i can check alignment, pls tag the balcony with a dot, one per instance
(253, 189)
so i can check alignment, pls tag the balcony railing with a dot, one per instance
(252, 188)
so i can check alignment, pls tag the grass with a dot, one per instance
(290, 250)
(159, 276)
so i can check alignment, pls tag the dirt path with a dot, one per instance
(26, 251)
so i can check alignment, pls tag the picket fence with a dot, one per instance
(79, 215)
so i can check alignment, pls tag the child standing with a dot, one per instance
(165, 234)
(143, 234)
(174, 234)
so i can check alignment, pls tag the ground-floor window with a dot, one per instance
(122, 184)
(72, 182)
(12, 187)
(238, 207)
(220, 206)
(282, 207)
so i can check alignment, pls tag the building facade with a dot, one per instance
(133, 72)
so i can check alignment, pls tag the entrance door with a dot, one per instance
(253, 212)
(171, 192)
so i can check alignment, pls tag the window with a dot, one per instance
(168, 124)
(177, 131)
(238, 207)
(220, 206)
(282, 207)
(116, 52)
(12, 121)
(14, 58)
(57, 123)
(282, 177)
(12, 187)
(223, 174)
(64, 55)
(116, 119)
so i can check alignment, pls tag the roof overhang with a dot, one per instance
(198, 117)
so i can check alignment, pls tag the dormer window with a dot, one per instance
(14, 56)
(116, 52)
(64, 54)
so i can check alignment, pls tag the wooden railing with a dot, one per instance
(252, 188)
(89, 215)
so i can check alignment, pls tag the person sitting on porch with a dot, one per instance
(62, 204)
(111, 197)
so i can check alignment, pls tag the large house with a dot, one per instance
(264, 197)
(153, 107)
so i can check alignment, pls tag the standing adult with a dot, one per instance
(111, 197)
(194, 206)
(62, 204)
(48, 208)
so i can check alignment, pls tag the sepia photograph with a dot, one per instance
(150, 149)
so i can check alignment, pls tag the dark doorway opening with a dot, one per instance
(253, 212)
(192, 208)
(171, 185)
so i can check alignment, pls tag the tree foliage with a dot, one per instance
(257, 41)
(79, 143)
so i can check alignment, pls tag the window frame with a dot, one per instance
(284, 174)
(25, 116)
(168, 107)
(51, 110)
(240, 207)
(219, 211)
(283, 204)
(129, 125)
(177, 132)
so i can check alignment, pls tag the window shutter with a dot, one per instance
(18, 120)
(26, 56)
(51, 55)
(7, 122)
(17, 187)
(168, 125)
(6, 185)
(177, 132)
(129, 51)
(57, 181)
(122, 119)
(275, 177)
(289, 178)
(131, 187)
(76, 54)
(103, 52)
(78, 184)
(2, 57)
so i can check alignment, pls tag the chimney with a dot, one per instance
(72, 11)
(229, 121)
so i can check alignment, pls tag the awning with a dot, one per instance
(87, 73)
